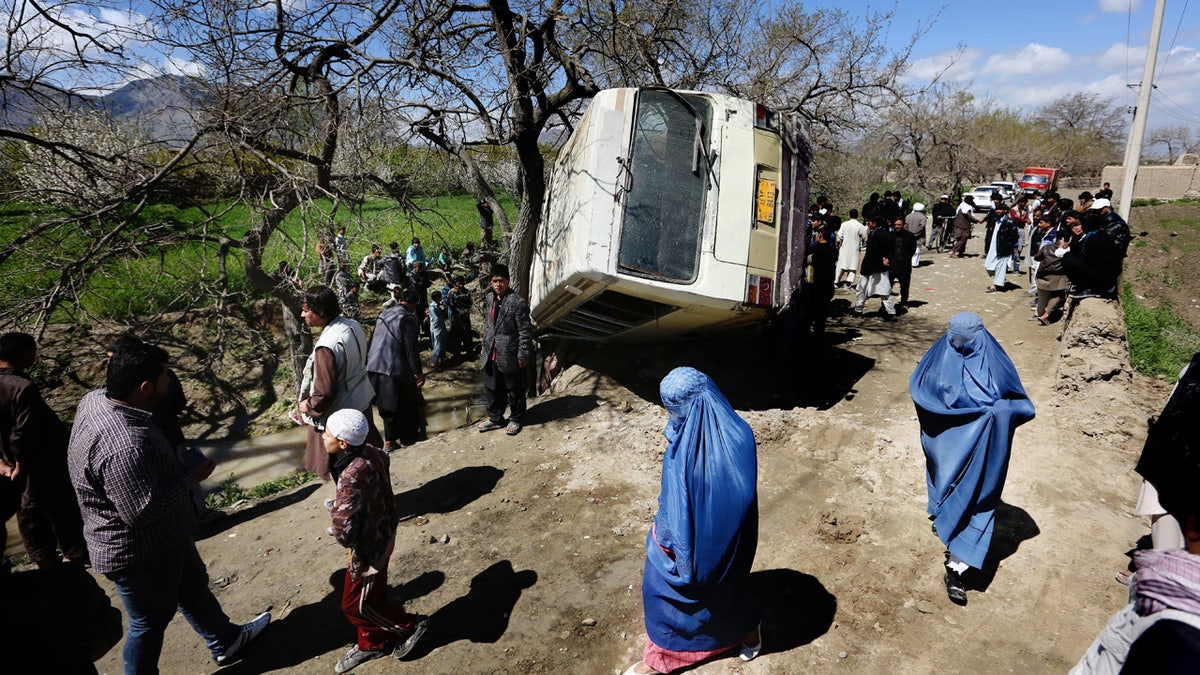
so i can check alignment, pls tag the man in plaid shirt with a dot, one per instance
(138, 514)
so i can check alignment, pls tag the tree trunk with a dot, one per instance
(253, 244)
(533, 192)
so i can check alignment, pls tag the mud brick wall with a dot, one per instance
(1157, 182)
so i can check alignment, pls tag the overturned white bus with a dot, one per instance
(670, 212)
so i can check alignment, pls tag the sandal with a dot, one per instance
(1124, 577)
(632, 670)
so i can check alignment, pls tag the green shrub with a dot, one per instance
(231, 492)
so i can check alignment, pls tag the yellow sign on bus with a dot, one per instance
(766, 201)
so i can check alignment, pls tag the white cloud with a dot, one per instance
(951, 66)
(1120, 6)
(1120, 56)
(126, 19)
(1032, 59)
(178, 66)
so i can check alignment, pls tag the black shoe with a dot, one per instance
(888, 317)
(1085, 293)
(954, 587)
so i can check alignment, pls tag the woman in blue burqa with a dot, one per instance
(702, 543)
(969, 402)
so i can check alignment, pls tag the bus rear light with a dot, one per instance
(758, 290)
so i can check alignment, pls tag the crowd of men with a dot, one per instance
(1075, 247)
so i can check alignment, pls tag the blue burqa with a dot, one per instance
(969, 401)
(700, 551)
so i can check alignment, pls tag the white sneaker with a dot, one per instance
(409, 642)
(248, 632)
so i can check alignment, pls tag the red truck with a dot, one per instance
(1038, 180)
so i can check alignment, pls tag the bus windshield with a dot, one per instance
(664, 207)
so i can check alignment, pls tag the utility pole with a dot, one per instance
(1137, 130)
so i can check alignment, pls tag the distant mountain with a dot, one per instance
(163, 106)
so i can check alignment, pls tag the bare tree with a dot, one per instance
(1086, 129)
(1176, 139)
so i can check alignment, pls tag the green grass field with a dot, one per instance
(163, 279)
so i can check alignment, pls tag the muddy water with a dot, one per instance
(449, 404)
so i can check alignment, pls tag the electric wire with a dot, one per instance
(1161, 96)
(1173, 38)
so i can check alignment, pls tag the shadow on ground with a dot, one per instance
(450, 492)
(757, 369)
(311, 631)
(482, 614)
(299, 635)
(1014, 525)
(561, 408)
(796, 608)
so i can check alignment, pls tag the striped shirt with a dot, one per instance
(133, 490)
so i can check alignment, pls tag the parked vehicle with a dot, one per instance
(983, 196)
(1008, 189)
(1038, 180)
(670, 212)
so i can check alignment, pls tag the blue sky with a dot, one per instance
(1024, 55)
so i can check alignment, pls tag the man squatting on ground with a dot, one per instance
(364, 521)
(507, 349)
(138, 514)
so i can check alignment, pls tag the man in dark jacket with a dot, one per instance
(1094, 262)
(873, 280)
(904, 247)
(507, 349)
(30, 433)
(1114, 224)
(394, 369)
(818, 293)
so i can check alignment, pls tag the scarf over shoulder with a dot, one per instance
(702, 547)
(969, 402)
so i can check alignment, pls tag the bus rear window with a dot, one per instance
(664, 208)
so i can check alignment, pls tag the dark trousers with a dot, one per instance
(960, 240)
(903, 276)
(401, 407)
(504, 389)
(49, 516)
(816, 312)
(379, 623)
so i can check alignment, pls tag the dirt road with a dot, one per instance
(528, 551)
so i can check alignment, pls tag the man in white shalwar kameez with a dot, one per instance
(851, 237)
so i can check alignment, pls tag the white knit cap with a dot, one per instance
(918, 207)
(349, 425)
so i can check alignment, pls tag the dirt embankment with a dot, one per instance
(527, 551)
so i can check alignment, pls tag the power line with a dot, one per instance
(1163, 97)
(1173, 37)
(1155, 104)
